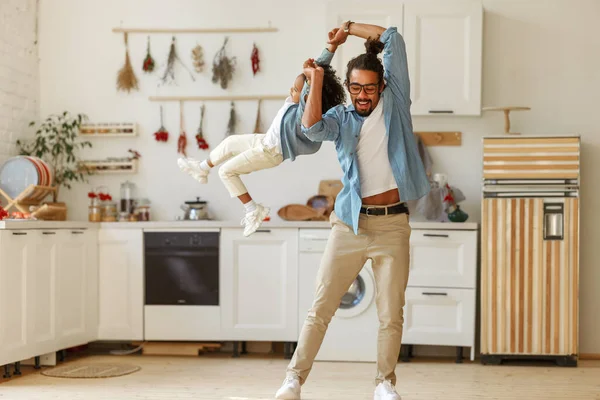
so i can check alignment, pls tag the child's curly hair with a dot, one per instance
(333, 93)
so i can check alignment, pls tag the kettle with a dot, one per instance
(195, 210)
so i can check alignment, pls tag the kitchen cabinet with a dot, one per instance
(48, 295)
(443, 43)
(258, 285)
(440, 303)
(16, 248)
(42, 291)
(121, 284)
(76, 283)
(444, 49)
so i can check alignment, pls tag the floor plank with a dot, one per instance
(251, 377)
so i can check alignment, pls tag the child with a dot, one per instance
(243, 154)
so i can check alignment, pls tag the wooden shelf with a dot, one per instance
(125, 129)
(111, 166)
(196, 30)
(218, 98)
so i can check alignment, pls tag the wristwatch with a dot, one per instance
(347, 27)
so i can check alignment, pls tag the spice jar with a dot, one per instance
(95, 213)
(109, 212)
(143, 210)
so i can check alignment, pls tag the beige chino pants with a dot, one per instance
(384, 240)
(241, 155)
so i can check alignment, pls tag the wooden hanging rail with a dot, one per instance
(195, 30)
(217, 98)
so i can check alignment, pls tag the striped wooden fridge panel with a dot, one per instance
(531, 158)
(529, 285)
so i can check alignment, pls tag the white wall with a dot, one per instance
(19, 73)
(538, 53)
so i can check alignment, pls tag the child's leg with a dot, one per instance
(228, 148)
(252, 160)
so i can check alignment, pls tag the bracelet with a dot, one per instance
(347, 28)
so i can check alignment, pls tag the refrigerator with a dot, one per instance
(529, 280)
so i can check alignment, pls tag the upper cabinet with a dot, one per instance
(444, 50)
(443, 45)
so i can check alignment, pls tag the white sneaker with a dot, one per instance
(193, 168)
(253, 219)
(289, 390)
(386, 391)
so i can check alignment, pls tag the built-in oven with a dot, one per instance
(181, 268)
(181, 284)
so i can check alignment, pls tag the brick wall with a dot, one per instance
(19, 73)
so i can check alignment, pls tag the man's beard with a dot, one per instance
(364, 113)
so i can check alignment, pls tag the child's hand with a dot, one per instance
(337, 36)
(309, 68)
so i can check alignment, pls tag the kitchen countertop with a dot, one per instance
(150, 225)
(277, 224)
(32, 224)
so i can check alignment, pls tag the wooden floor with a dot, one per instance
(257, 377)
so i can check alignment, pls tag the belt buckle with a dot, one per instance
(368, 208)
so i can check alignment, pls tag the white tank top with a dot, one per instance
(374, 168)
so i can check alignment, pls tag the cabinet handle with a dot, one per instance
(263, 231)
(19, 233)
(434, 294)
(441, 112)
(48, 233)
(77, 232)
(435, 235)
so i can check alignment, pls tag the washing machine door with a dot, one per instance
(360, 294)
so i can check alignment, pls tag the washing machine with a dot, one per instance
(352, 332)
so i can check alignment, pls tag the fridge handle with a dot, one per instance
(553, 221)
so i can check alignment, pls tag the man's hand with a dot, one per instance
(337, 36)
(311, 69)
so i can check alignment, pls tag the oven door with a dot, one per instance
(181, 268)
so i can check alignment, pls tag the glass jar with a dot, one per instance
(143, 210)
(127, 198)
(109, 212)
(95, 213)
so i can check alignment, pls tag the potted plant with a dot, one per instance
(56, 143)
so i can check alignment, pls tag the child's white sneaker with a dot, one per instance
(386, 391)
(289, 390)
(192, 167)
(254, 218)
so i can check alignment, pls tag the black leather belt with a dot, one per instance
(401, 208)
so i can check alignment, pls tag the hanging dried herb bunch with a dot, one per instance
(198, 58)
(182, 140)
(254, 57)
(258, 125)
(126, 79)
(161, 135)
(148, 61)
(169, 75)
(202, 144)
(223, 67)
(232, 121)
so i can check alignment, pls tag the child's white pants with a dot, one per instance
(242, 154)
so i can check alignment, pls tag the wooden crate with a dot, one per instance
(531, 158)
(529, 285)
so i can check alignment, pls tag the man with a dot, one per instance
(382, 170)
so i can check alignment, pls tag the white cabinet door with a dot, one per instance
(259, 285)
(442, 258)
(444, 317)
(381, 13)
(41, 291)
(16, 251)
(121, 285)
(444, 49)
(72, 288)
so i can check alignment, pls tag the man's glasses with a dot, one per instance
(370, 88)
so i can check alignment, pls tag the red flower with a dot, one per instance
(92, 195)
